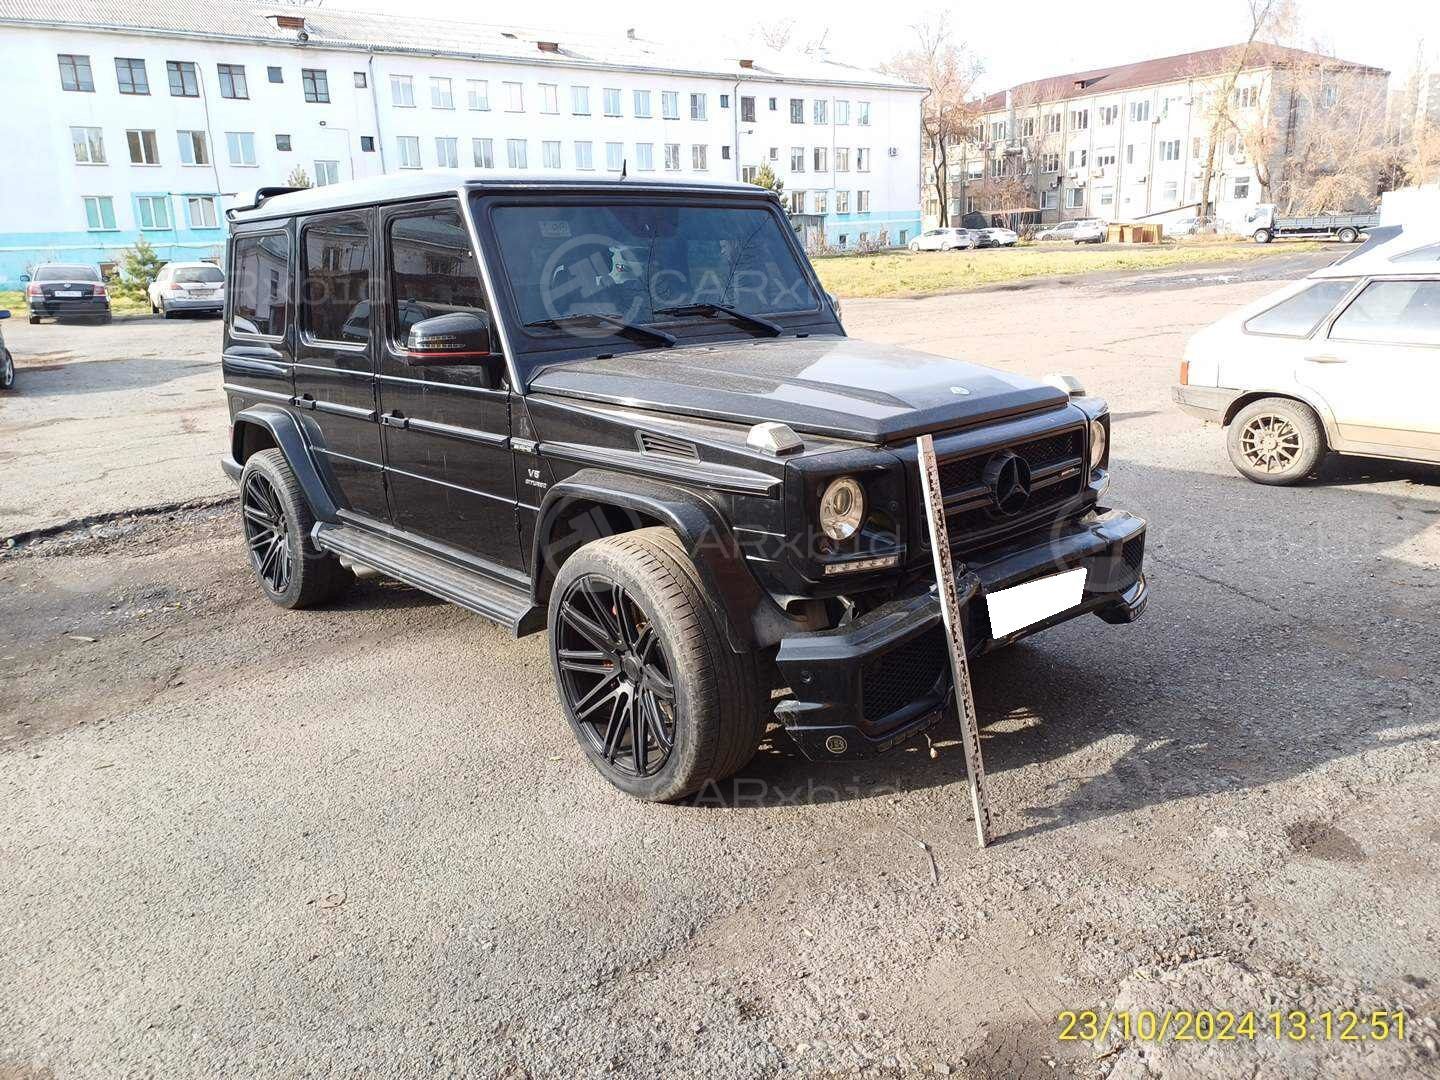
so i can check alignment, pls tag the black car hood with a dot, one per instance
(833, 386)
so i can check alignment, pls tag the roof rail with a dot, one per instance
(261, 196)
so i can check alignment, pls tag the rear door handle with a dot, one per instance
(1325, 358)
(391, 419)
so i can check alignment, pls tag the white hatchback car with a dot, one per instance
(944, 240)
(187, 286)
(1346, 360)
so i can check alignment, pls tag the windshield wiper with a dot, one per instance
(755, 322)
(634, 329)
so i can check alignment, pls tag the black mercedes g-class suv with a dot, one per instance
(626, 412)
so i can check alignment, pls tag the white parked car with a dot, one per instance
(998, 237)
(187, 286)
(944, 240)
(1346, 360)
(1090, 231)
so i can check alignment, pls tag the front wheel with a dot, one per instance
(1275, 441)
(656, 697)
(7, 369)
(277, 521)
(1263, 236)
(1347, 236)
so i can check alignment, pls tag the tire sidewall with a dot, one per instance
(265, 466)
(614, 565)
(1302, 418)
(7, 370)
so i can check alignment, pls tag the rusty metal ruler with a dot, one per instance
(955, 636)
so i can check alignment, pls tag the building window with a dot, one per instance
(584, 156)
(152, 211)
(202, 212)
(842, 202)
(550, 154)
(672, 157)
(1106, 196)
(642, 104)
(1025, 128)
(367, 144)
(402, 91)
(89, 145)
(1140, 111)
(1242, 187)
(697, 106)
(822, 159)
(614, 156)
(232, 81)
(549, 99)
(842, 241)
(1079, 119)
(862, 159)
(997, 167)
(842, 114)
(747, 110)
(184, 81)
(327, 173)
(774, 154)
(862, 113)
(1104, 158)
(316, 85)
(645, 157)
(1079, 158)
(862, 202)
(797, 110)
(749, 173)
(194, 150)
(1048, 200)
(483, 151)
(795, 202)
(724, 101)
(130, 76)
(477, 92)
(447, 153)
(580, 100)
(441, 96)
(1247, 97)
(819, 202)
(240, 145)
(274, 74)
(698, 157)
(1170, 150)
(1328, 96)
(514, 97)
(670, 105)
(820, 111)
(842, 159)
(997, 131)
(282, 142)
(361, 82)
(1109, 114)
(1052, 124)
(797, 159)
(409, 150)
(1075, 198)
(1050, 162)
(75, 73)
(99, 213)
(517, 153)
(1172, 191)
(611, 100)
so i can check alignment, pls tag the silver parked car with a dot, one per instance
(187, 286)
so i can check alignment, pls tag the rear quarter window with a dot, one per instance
(260, 284)
(1298, 315)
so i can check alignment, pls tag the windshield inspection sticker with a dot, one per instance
(555, 230)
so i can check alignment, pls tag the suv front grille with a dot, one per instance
(904, 675)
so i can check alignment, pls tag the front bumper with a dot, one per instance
(867, 686)
(1207, 402)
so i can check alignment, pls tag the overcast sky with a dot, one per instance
(1050, 38)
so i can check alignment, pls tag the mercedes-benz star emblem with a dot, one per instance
(1008, 477)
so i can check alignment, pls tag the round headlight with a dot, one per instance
(1099, 443)
(842, 508)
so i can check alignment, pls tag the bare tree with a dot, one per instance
(776, 35)
(949, 70)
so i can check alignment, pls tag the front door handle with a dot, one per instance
(1325, 358)
(393, 419)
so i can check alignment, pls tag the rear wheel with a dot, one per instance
(1263, 236)
(1275, 441)
(655, 696)
(1347, 236)
(292, 572)
(7, 369)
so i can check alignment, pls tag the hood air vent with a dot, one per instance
(667, 446)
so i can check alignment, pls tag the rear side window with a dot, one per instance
(432, 270)
(336, 291)
(1298, 315)
(260, 282)
(1393, 313)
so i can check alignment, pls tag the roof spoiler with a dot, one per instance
(261, 196)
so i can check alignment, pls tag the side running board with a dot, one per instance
(485, 595)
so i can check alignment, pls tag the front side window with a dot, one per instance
(629, 258)
(88, 144)
(1392, 313)
(184, 82)
(75, 74)
(232, 81)
(1298, 315)
(99, 213)
(130, 77)
(316, 85)
(432, 270)
(335, 256)
(260, 280)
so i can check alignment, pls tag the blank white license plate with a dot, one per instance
(67, 293)
(1024, 605)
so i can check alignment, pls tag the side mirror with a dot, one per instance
(459, 337)
(4, 314)
(24, 277)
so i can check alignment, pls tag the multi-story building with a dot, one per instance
(1132, 142)
(149, 120)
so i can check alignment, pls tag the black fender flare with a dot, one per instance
(753, 618)
(284, 428)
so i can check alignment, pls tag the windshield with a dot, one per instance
(632, 260)
(66, 273)
(199, 273)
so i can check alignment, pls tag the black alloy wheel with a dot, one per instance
(617, 680)
(267, 532)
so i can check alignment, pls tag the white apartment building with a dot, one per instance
(129, 121)
(1130, 143)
